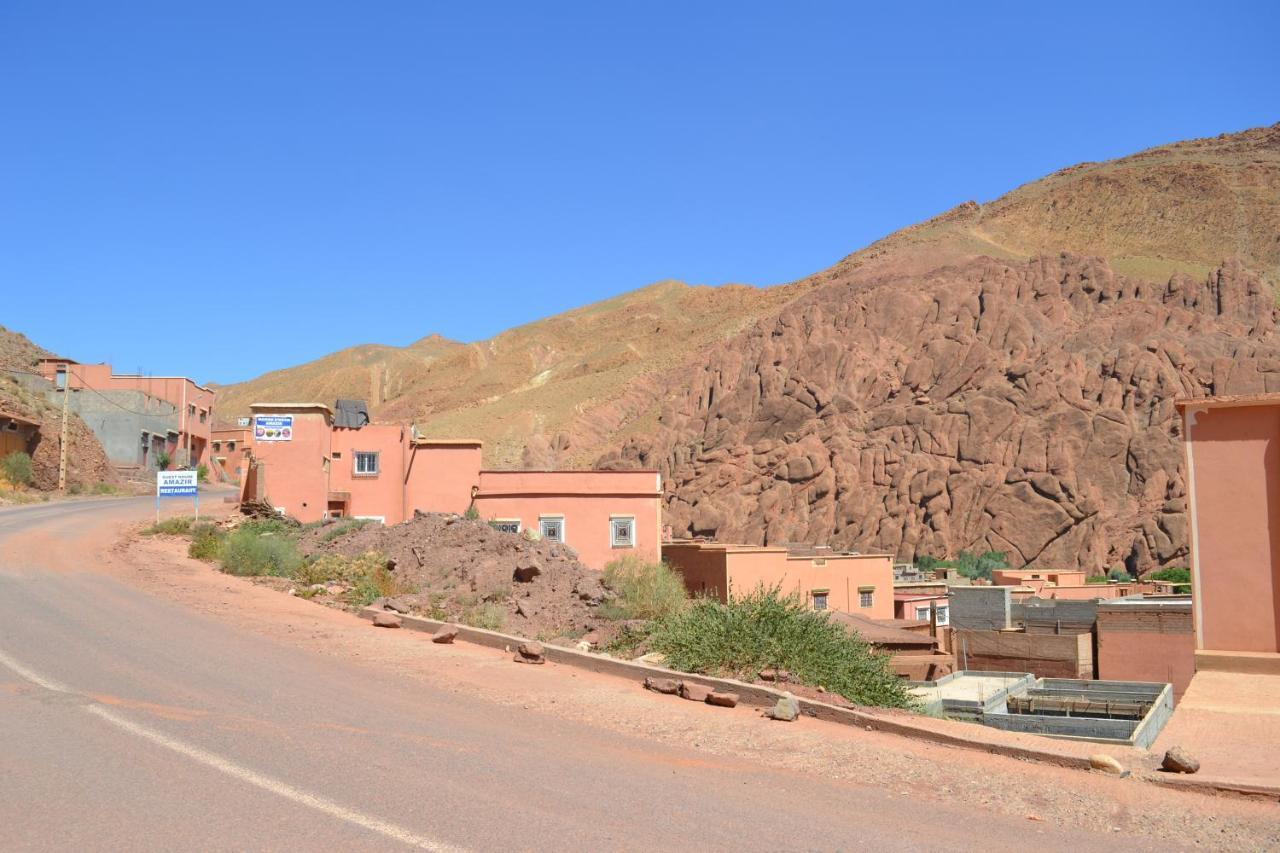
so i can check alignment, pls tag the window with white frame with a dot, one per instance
(622, 531)
(551, 528)
(506, 525)
(922, 613)
(365, 463)
(866, 597)
(943, 614)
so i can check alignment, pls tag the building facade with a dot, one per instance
(1232, 447)
(848, 583)
(136, 418)
(310, 467)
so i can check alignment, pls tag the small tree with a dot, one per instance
(163, 461)
(16, 468)
(202, 472)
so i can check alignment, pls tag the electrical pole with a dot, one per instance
(62, 443)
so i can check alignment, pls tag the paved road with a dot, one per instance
(128, 725)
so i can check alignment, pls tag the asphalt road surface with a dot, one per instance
(127, 724)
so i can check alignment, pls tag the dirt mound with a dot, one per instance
(467, 571)
(87, 463)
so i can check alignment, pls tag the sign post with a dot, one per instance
(177, 484)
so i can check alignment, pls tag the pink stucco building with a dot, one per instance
(186, 416)
(846, 583)
(311, 467)
(1232, 447)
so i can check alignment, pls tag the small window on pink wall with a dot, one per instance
(622, 531)
(364, 463)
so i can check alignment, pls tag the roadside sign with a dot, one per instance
(273, 427)
(242, 422)
(177, 484)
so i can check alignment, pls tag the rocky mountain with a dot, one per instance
(1000, 376)
(87, 463)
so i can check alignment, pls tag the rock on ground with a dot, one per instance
(1178, 760)
(786, 709)
(386, 620)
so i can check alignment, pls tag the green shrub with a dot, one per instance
(206, 541)
(265, 526)
(767, 630)
(371, 579)
(488, 615)
(472, 514)
(179, 525)
(16, 468)
(1119, 575)
(246, 552)
(1173, 575)
(645, 589)
(1096, 579)
(104, 489)
(163, 461)
(342, 528)
(202, 472)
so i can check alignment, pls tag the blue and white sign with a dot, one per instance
(273, 427)
(176, 484)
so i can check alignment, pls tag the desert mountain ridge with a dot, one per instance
(1094, 282)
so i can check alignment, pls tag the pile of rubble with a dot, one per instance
(461, 567)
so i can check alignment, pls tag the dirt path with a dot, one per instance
(908, 769)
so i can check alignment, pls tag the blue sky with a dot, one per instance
(221, 189)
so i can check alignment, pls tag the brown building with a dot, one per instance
(1147, 638)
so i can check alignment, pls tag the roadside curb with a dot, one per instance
(753, 695)
(1215, 787)
(758, 696)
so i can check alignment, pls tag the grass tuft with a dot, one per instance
(763, 630)
(645, 589)
(176, 526)
(247, 552)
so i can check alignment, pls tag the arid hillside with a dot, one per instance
(562, 385)
(873, 365)
(87, 463)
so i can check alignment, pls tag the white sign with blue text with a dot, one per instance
(273, 427)
(177, 484)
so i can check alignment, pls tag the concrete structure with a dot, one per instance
(982, 607)
(1147, 638)
(1232, 447)
(17, 433)
(1121, 712)
(848, 583)
(135, 417)
(1036, 577)
(312, 469)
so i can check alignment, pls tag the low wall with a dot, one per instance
(1045, 655)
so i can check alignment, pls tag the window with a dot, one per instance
(865, 599)
(506, 525)
(217, 445)
(551, 527)
(622, 531)
(11, 426)
(366, 463)
(61, 378)
(942, 614)
(204, 416)
(231, 445)
(819, 601)
(922, 613)
(337, 454)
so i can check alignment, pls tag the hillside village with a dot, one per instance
(1033, 487)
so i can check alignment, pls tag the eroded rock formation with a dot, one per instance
(1018, 407)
